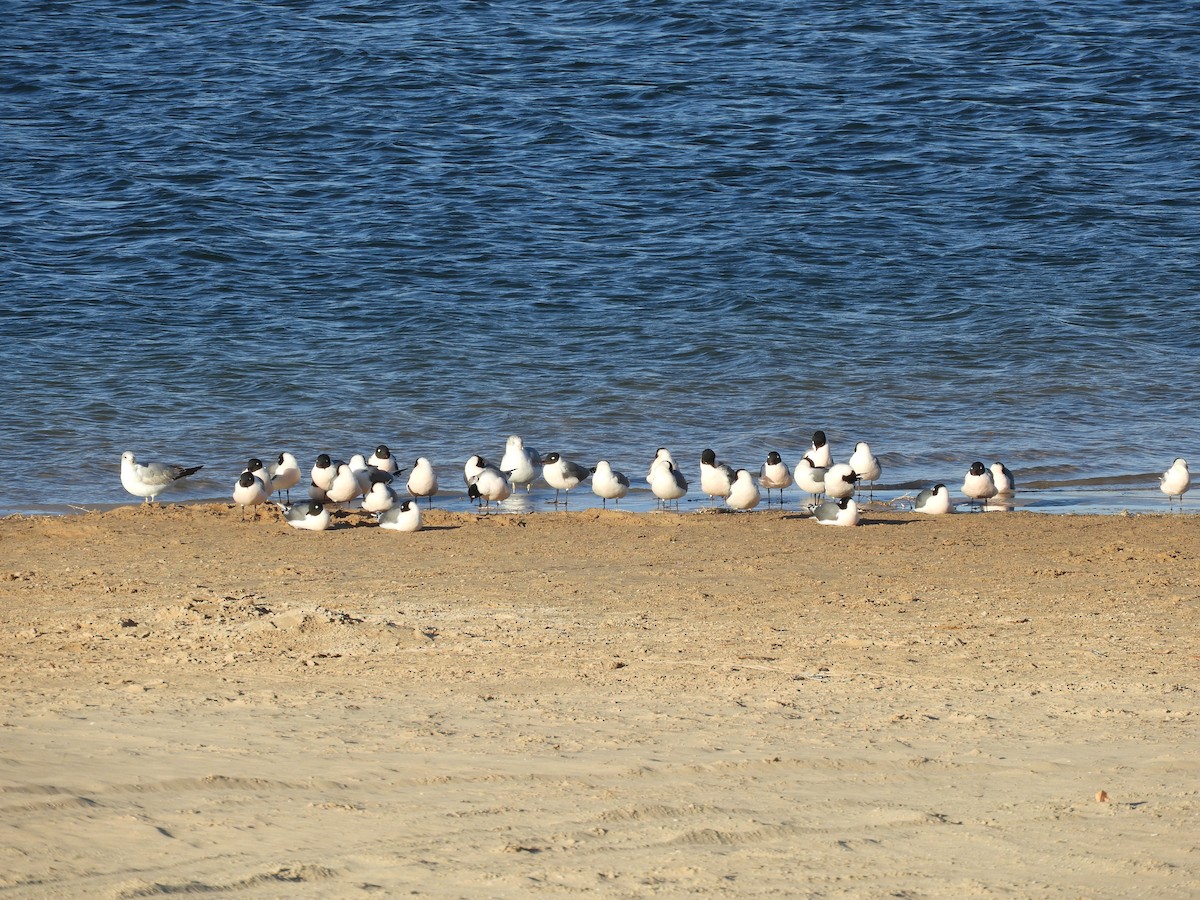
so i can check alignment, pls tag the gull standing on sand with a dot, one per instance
(380, 498)
(607, 484)
(285, 474)
(256, 468)
(978, 483)
(820, 452)
(562, 474)
(383, 460)
(404, 516)
(933, 501)
(520, 461)
(716, 479)
(810, 478)
(667, 482)
(837, 512)
(489, 484)
(866, 465)
(422, 481)
(1003, 479)
(324, 470)
(840, 481)
(249, 491)
(151, 479)
(775, 475)
(310, 516)
(744, 493)
(1175, 482)
(471, 469)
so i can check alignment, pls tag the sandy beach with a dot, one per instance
(623, 704)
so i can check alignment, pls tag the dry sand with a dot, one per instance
(624, 704)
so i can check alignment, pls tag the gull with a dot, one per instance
(662, 453)
(310, 516)
(865, 464)
(367, 474)
(489, 484)
(346, 485)
(324, 470)
(249, 491)
(837, 512)
(978, 483)
(256, 468)
(810, 478)
(820, 452)
(775, 475)
(933, 501)
(1003, 479)
(607, 484)
(840, 481)
(716, 479)
(285, 474)
(405, 516)
(1175, 482)
(520, 461)
(380, 498)
(562, 474)
(471, 469)
(744, 493)
(382, 459)
(422, 481)
(151, 479)
(667, 482)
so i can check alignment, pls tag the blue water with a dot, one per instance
(956, 231)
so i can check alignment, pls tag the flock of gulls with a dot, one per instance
(372, 483)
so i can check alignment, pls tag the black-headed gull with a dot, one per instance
(820, 452)
(310, 516)
(837, 512)
(1175, 481)
(285, 474)
(865, 465)
(249, 491)
(978, 484)
(324, 470)
(716, 478)
(151, 479)
(256, 468)
(489, 484)
(934, 501)
(744, 492)
(667, 482)
(562, 474)
(607, 484)
(404, 516)
(775, 476)
(422, 481)
(383, 460)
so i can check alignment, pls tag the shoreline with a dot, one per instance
(733, 704)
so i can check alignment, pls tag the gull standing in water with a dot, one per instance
(404, 516)
(840, 481)
(810, 478)
(978, 484)
(607, 484)
(837, 512)
(562, 474)
(489, 484)
(520, 461)
(933, 501)
(151, 479)
(775, 475)
(1003, 479)
(667, 482)
(1175, 482)
(422, 481)
(661, 454)
(716, 479)
(866, 465)
(744, 493)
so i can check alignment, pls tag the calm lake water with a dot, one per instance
(956, 232)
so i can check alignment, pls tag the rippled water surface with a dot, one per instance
(956, 231)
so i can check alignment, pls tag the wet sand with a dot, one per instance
(631, 704)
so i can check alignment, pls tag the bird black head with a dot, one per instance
(281, 459)
(708, 457)
(977, 468)
(473, 491)
(818, 439)
(246, 479)
(550, 459)
(315, 507)
(843, 503)
(773, 458)
(383, 452)
(254, 464)
(406, 505)
(939, 487)
(323, 461)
